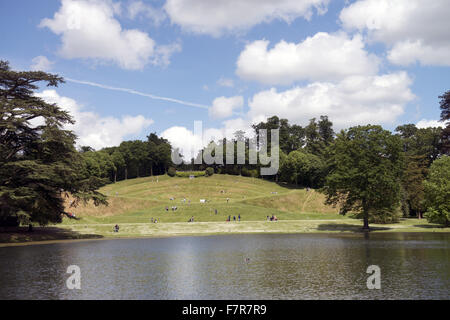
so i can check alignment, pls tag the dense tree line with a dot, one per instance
(131, 159)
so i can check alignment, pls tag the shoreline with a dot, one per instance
(93, 232)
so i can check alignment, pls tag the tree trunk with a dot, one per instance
(115, 176)
(126, 173)
(366, 220)
(151, 169)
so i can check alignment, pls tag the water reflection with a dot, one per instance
(303, 266)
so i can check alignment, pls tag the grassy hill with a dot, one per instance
(134, 202)
(139, 200)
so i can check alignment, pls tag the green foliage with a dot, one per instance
(39, 164)
(437, 192)
(365, 171)
(250, 172)
(421, 148)
(385, 215)
(172, 172)
(302, 168)
(444, 105)
(187, 174)
(209, 171)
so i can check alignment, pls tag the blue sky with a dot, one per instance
(365, 61)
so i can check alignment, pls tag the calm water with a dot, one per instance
(315, 266)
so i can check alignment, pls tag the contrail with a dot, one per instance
(132, 91)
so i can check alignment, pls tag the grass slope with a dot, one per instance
(139, 200)
(133, 203)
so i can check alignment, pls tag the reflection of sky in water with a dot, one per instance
(303, 266)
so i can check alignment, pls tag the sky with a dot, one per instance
(134, 67)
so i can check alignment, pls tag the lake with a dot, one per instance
(265, 266)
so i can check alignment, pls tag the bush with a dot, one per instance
(209, 171)
(187, 174)
(250, 172)
(172, 172)
(384, 216)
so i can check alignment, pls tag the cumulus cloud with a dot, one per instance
(91, 128)
(184, 140)
(225, 82)
(41, 63)
(137, 9)
(352, 101)
(189, 142)
(320, 57)
(223, 107)
(414, 30)
(224, 16)
(424, 123)
(89, 30)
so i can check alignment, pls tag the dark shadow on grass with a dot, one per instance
(21, 234)
(288, 185)
(343, 227)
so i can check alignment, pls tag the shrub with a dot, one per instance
(209, 171)
(187, 174)
(250, 172)
(172, 172)
(384, 216)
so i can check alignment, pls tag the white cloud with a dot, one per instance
(225, 82)
(164, 52)
(41, 63)
(223, 107)
(185, 140)
(189, 142)
(352, 101)
(94, 130)
(424, 123)
(408, 52)
(89, 30)
(222, 16)
(414, 30)
(140, 9)
(320, 57)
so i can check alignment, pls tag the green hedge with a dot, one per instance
(187, 174)
(172, 172)
(209, 171)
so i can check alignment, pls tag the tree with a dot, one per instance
(437, 192)
(39, 164)
(413, 178)
(421, 147)
(365, 171)
(319, 135)
(119, 162)
(445, 117)
(302, 168)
